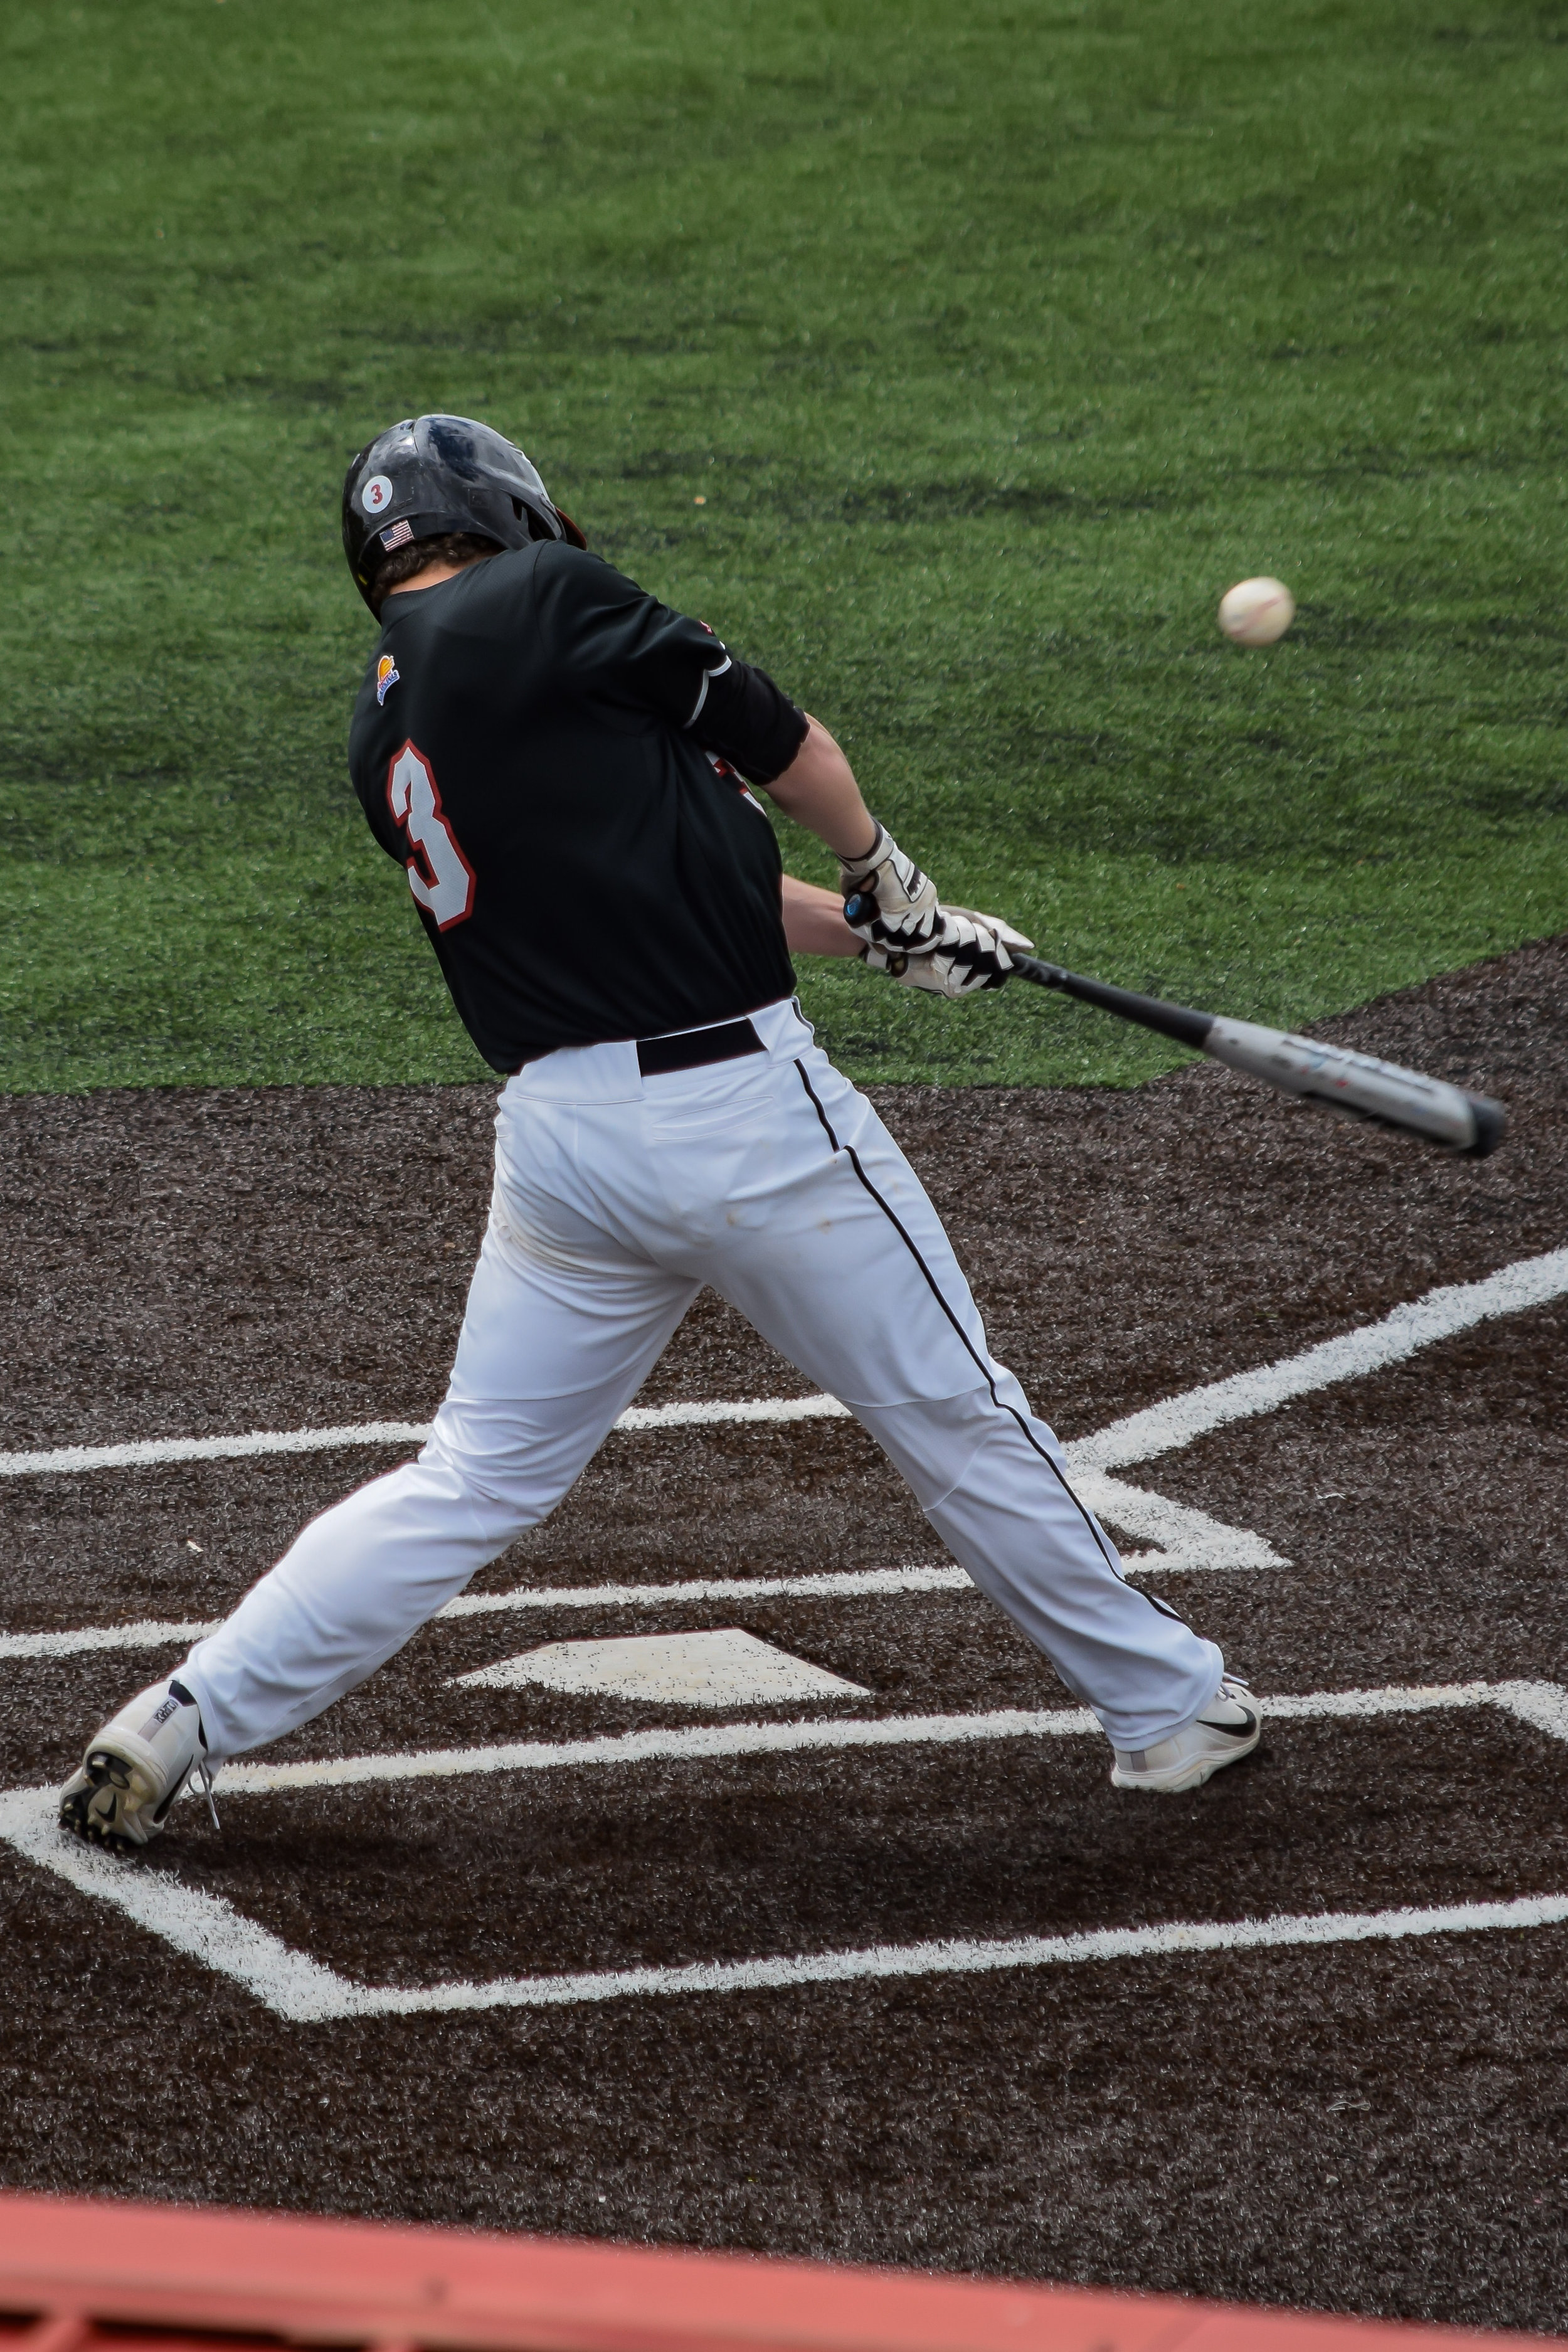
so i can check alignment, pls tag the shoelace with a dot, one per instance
(205, 1774)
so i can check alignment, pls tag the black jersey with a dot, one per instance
(560, 762)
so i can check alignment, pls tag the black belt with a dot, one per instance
(658, 1055)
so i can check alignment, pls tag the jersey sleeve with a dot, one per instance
(748, 721)
(611, 640)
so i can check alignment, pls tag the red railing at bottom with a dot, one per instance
(97, 2275)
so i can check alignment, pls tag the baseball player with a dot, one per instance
(568, 772)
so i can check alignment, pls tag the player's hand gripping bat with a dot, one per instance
(1330, 1076)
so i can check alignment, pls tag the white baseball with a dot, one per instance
(1255, 612)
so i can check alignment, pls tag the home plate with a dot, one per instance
(726, 1668)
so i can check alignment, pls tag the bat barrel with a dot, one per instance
(1360, 1087)
(1356, 1085)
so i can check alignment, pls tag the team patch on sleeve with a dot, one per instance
(387, 677)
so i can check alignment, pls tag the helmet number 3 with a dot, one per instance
(440, 875)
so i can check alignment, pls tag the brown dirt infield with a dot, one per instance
(1375, 2127)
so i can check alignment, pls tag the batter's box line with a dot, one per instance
(1189, 1540)
(207, 1929)
(1162, 1428)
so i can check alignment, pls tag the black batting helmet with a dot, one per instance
(432, 475)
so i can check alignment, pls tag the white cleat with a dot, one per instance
(1229, 1727)
(135, 1768)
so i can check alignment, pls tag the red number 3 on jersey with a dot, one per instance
(439, 874)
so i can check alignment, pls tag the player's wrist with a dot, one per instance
(865, 859)
(887, 901)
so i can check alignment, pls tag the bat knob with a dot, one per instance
(858, 907)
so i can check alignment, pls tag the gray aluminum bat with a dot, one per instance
(1356, 1086)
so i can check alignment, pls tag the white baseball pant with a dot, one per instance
(617, 1197)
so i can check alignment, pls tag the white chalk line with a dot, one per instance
(1191, 1541)
(142, 1634)
(153, 1453)
(202, 1927)
(1542, 1705)
(835, 1584)
(1441, 1314)
(1188, 1539)
(830, 1584)
(677, 1744)
(207, 1929)
(301, 1988)
(1160, 1429)
(305, 2001)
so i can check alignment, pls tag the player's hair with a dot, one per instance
(405, 563)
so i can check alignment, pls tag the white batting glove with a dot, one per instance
(970, 951)
(887, 901)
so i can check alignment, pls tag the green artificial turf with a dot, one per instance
(996, 338)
